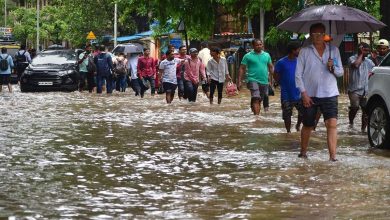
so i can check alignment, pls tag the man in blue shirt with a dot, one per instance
(290, 95)
(6, 64)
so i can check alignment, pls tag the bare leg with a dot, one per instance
(255, 106)
(305, 137)
(331, 130)
(10, 87)
(168, 97)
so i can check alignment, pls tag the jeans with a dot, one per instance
(122, 83)
(109, 83)
(213, 85)
(91, 81)
(191, 90)
(180, 87)
(152, 84)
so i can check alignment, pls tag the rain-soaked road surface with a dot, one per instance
(84, 156)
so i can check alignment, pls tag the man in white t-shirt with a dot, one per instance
(167, 70)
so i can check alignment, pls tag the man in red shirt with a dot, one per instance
(146, 69)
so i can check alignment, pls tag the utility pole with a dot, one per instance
(115, 23)
(5, 13)
(262, 24)
(37, 26)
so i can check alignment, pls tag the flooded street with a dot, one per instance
(84, 156)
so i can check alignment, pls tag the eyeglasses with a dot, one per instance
(317, 34)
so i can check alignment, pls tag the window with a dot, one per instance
(386, 61)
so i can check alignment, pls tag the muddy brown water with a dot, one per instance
(84, 156)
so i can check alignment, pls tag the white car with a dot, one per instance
(378, 105)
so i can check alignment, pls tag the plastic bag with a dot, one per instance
(231, 89)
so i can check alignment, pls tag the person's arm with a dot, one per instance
(276, 74)
(227, 71)
(28, 57)
(11, 62)
(270, 71)
(109, 60)
(359, 60)
(202, 70)
(139, 68)
(338, 65)
(160, 71)
(241, 73)
(307, 101)
(80, 59)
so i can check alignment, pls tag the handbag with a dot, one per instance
(231, 89)
(271, 91)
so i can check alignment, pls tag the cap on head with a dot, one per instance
(193, 50)
(383, 42)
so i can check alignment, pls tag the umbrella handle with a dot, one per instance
(330, 35)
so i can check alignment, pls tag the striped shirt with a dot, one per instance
(358, 78)
(312, 74)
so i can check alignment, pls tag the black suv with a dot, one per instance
(51, 70)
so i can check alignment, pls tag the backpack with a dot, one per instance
(91, 67)
(102, 64)
(4, 63)
(120, 68)
(20, 58)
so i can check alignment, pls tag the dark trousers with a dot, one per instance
(215, 84)
(89, 78)
(152, 84)
(100, 80)
(137, 88)
(180, 87)
(191, 90)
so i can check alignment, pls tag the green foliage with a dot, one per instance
(72, 19)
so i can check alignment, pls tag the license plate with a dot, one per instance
(45, 83)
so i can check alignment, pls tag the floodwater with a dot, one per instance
(84, 156)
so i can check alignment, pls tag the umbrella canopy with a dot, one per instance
(341, 19)
(128, 48)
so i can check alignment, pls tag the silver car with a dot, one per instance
(378, 105)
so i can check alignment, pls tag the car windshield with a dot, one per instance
(55, 57)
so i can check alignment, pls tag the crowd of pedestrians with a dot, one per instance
(307, 77)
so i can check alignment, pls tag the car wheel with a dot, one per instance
(23, 88)
(378, 125)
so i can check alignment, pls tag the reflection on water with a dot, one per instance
(76, 156)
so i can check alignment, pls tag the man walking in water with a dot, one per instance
(256, 64)
(290, 95)
(316, 72)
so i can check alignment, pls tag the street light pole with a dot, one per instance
(37, 26)
(115, 23)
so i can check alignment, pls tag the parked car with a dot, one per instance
(51, 70)
(378, 105)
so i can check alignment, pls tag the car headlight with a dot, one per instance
(64, 72)
(28, 72)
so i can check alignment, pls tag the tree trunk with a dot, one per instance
(384, 7)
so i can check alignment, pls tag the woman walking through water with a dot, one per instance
(217, 71)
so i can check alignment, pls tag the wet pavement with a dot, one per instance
(85, 156)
